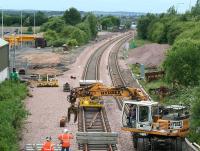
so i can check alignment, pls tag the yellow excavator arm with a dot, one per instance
(99, 90)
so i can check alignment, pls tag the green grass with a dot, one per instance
(135, 69)
(12, 113)
(138, 42)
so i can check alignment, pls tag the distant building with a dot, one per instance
(4, 60)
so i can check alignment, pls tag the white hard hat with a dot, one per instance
(65, 130)
(48, 138)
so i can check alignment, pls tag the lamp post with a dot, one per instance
(177, 4)
(34, 24)
(2, 23)
(21, 29)
(190, 5)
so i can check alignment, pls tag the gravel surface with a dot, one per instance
(149, 54)
(112, 110)
(48, 105)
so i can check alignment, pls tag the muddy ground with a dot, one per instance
(52, 61)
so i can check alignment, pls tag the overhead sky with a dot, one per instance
(153, 6)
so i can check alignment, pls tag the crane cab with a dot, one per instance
(148, 117)
(138, 114)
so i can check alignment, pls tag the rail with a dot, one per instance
(114, 69)
(92, 119)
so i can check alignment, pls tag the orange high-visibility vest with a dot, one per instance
(65, 139)
(47, 146)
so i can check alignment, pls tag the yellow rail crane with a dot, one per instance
(153, 126)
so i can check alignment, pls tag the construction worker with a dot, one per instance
(48, 145)
(65, 140)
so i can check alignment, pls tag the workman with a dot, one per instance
(65, 140)
(132, 115)
(14, 75)
(48, 145)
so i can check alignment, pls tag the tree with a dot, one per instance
(55, 24)
(143, 24)
(30, 29)
(40, 18)
(50, 36)
(84, 26)
(182, 63)
(79, 35)
(92, 21)
(128, 24)
(156, 32)
(172, 11)
(196, 9)
(106, 22)
(72, 16)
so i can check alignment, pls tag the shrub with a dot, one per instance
(183, 62)
(55, 24)
(12, 114)
(72, 42)
(86, 28)
(79, 35)
(156, 32)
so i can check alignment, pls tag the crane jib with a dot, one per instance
(110, 93)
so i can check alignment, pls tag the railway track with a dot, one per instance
(91, 71)
(95, 119)
(114, 69)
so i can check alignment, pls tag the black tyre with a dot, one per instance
(143, 144)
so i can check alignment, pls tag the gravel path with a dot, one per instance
(112, 110)
(48, 105)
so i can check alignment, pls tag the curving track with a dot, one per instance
(114, 69)
(94, 119)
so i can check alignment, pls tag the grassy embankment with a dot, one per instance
(12, 113)
(179, 95)
(136, 42)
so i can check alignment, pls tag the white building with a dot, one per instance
(4, 60)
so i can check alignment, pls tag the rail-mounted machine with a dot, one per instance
(153, 126)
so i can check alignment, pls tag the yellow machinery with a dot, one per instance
(91, 95)
(47, 81)
(17, 39)
(154, 127)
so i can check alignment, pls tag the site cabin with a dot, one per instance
(83, 83)
(154, 126)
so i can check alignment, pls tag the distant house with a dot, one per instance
(4, 60)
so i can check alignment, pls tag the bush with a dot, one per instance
(193, 33)
(143, 24)
(12, 114)
(156, 32)
(58, 42)
(50, 36)
(55, 24)
(72, 42)
(182, 63)
(86, 28)
(176, 29)
(195, 120)
(79, 35)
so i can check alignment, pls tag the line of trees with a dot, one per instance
(71, 28)
(183, 33)
(28, 19)
(182, 63)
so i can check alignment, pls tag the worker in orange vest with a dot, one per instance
(65, 139)
(48, 145)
